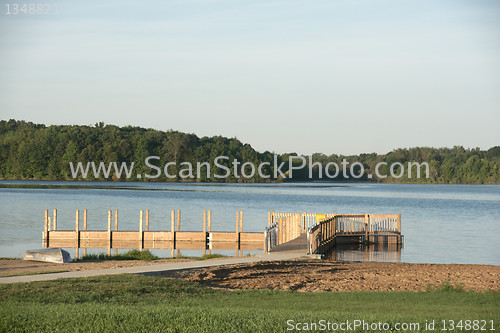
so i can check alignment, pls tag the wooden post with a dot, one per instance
(367, 227)
(178, 220)
(178, 227)
(109, 232)
(116, 227)
(268, 218)
(241, 229)
(241, 221)
(85, 228)
(147, 224)
(205, 222)
(116, 219)
(237, 221)
(172, 229)
(209, 221)
(238, 227)
(209, 227)
(46, 230)
(77, 233)
(141, 234)
(399, 222)
(55, 219)
(84, 219)
(399, 228)
(172, 220)
(205, 232)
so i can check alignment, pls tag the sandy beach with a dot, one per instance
(305, 275)
(317, 275)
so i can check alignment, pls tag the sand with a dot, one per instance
(306, 275)
(23, 267)
(318, 275)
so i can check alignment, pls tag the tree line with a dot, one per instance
(39, 152)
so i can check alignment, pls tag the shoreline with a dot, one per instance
(310, 275)
(304, 275)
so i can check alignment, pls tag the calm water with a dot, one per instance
(441, 223)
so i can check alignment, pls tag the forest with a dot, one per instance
(31, 151)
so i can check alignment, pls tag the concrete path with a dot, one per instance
(156, 268)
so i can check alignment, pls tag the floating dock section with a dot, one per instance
(144, 238)
(325, 231)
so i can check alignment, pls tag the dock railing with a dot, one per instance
(271, 237)
(367, 227)
(284, 227)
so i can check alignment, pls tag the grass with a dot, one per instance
(210, 256)
(445, 286)
(141, 255)
(205, 257)
(147, 303)
(34, 273)
(130, 255)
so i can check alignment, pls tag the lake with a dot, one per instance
(440, 223)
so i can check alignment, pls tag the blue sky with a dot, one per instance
(286, 76)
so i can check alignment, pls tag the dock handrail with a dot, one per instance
(270, 237)
(325, 231)
(284, 228)
(313, 239)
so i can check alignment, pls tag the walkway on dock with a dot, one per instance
(282, 255)
(296, 245)
(317, 233)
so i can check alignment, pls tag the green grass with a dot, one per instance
(139, 303)
(446, 286)
(130, 255)
(203, 257)
(209, 256)
(141, 255)
(34, 273)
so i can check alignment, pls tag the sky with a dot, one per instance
(329, 76)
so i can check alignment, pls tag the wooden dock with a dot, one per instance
(144, 238)
(325, 231)
(286, 232)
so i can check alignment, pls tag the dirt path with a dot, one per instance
(318, 275)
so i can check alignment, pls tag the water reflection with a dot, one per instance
(382, 252)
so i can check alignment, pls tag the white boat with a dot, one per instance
(54, 254)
